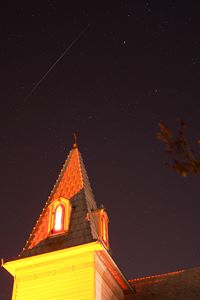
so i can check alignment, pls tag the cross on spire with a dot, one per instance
(75, 140)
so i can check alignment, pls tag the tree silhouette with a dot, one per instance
(183, 159)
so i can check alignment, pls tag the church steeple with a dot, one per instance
(66, 255)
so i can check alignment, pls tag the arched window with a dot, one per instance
(101, 220)
(59, 213)
(59, 216)
(104, 229)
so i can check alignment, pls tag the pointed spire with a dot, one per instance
(71, 183)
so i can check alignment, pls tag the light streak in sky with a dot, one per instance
(57, 61)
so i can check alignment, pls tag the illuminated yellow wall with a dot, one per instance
(64, 274)
(83, 272)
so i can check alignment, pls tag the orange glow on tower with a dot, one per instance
(69, 183)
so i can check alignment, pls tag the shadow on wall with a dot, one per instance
(6, 284)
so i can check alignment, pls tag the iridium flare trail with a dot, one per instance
(57, 61)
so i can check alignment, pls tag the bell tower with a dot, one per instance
(67, 253)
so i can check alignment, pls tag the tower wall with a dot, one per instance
(58, 275)
(85, 272)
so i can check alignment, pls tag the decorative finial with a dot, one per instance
(2, 262)
(75, 140)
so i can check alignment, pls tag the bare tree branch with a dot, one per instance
(183, 159)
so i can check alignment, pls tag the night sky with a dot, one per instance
(138, 63)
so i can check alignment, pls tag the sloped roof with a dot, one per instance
(180, 285)
(72, 184)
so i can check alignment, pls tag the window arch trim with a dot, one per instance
(63, 223)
